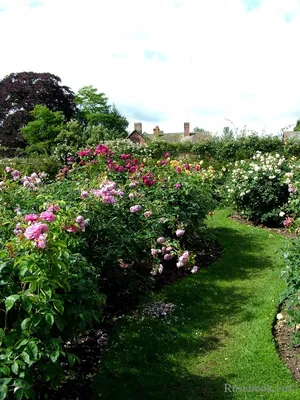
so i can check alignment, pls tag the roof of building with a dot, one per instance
(174, 136)
(292, 135)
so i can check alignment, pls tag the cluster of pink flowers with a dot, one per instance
(135, 209)
(84, 153)
(148, 179)
(125, 156)
(131, 165)
(288, 222)
(167, 252)
(177, 185)
(102, 150)
(133, 184)
(147, 214)
(47, 216)
(63, 172)
(37, 230)
(107, 192)
(81, 222)
(183, 259)
(31, 181)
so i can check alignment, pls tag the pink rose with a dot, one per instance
(47, 216)
(31, 217)
(35, 230)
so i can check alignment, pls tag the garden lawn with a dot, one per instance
(220, 332)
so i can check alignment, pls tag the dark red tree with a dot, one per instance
(20, 92)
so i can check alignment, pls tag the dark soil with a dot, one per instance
(283, 334)
(78, 381)
(280, 230)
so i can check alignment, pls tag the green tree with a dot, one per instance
(297, 127)
(41, 132)
(94, 110)
(227, 133)
(91, 105)
(200, 130)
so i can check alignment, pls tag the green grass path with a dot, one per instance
(220, 332)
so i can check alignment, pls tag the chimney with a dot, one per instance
(186, 129)
(138, 127)
(156, 130)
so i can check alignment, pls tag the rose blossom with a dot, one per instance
(35, 230)
(53, 208)
(16, 174)
(180, 232)
(154, 252)
(288, 222)
(135, 209)
(31, 217)
(84, 194)
(40, 242)
(47, 216)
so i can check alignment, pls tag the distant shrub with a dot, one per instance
(259, 188)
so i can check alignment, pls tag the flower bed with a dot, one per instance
(106, 227)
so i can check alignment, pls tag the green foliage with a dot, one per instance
(43, 130)
(227, 133)
(110, 221)
(95, 111)
(259, 188)
(32, 163)
(48, 296)
(91, 104)
(200, 130)
(291, 276)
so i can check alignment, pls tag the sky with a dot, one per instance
(212, 63)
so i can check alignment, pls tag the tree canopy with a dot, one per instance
(20, 93)
(43, 130)
(94, 110)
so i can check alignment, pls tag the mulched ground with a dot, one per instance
(281, 231)
(283, 335)
(78, 381)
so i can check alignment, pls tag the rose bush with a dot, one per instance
(105, 228)
(259, 188)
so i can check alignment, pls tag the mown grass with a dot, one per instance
(220, 332)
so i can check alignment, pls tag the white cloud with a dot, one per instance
(221, 60)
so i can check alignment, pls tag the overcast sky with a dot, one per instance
(164, 62)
